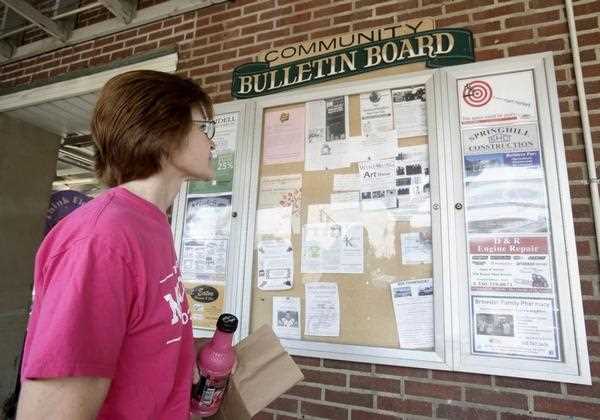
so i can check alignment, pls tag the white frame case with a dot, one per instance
(234, 271)
(441, 357)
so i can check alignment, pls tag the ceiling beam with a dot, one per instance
(122, 9)
(56, 29)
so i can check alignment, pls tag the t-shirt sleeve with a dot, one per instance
(86, 298)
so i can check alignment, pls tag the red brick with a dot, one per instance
(125, 35)
(104, 41)
(367, 415)
(223, 35)
(341, 364)
(489, 54)
(506, 37)
(306, 361)
(528, 384)
(372, 23)
(353, 17)
(325, 378)
(149, 28)
(400, 371)
(587, 8)
(218, 57)
(589, 267)
(504, 399)
(284, 404)
(278, 12)
(541, 4)
(420, 13)
(205, 30)
(484, 27)
(349, 398)
(305, 391)
(311, 4)
(254, 49)
(467, 4)
(471, 378)
(586, 23)
(549, 45)
(330, 31)
(257, 28)
(511, 416)
(426, 389)
(253, 8)
(584, 228)
(146, 47)
(446, 411)
(364, 3)
(334, 10)
(320, 410)
(583, 248)
(551, 30)
(592, 38)
(584, 390)
(99, 60)
(312, 25)
(566, 407)
(533, 18)
(243, 21)
(203, 71)
(232, 64)
(396, 7)
(186, 26)
(215, 78)
(278, 33)
(229, 14)
(591, 327)
(292, 20)
(499, 11)
(136, 41)
(236, 43)
(290, 40)
(374, 383)
(264, 416)
(459, 20)
(422, 408)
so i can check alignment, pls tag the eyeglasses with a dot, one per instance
(207, 127)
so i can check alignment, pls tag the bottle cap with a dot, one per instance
(227, 323)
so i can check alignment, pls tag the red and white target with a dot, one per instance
(477, 93)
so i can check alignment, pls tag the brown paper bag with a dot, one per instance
(264, 372)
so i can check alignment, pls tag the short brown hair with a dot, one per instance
(140, 118)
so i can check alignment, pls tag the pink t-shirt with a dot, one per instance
(109, 303)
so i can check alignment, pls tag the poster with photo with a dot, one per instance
(377, 184)
(282, 191)
(515, 326)
(498, 99)
(410, 111)
(413, 309)
(416, 248)
(286, 317)
(502, 152)
(507, 207)
(412, 174)
(376, 113)
(336, 118)
(510, 263)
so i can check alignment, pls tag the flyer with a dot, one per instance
(282, 191)
(379, 145)
(275, 264)
(502, 152)
(315, 121)
(205, 300)
(283, 140)
(203, 258)
(346, 182)
(336, 118)
(376, 112)
(507, 206)
(322, 309)
(416, 248)
(410, 111)
(226, 130)
(413, 309)
(332, 248)
(276, 221)
(378, 184)
(516, 326)
(497, 99)
(286, 317)
(510, 263)
(321, 156)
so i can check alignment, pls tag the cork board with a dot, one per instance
(366, 308)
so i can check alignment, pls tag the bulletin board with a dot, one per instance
(366, 309)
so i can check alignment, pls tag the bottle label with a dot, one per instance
(211, 389)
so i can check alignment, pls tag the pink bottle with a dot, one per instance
(215, 361)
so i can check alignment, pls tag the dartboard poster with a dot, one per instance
(499, 99)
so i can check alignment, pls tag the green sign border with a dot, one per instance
(461, 53)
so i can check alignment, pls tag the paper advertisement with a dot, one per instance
(275, 265)
(515, 327)
(410, 111)
(336, 118)
(378, 189)
(322, 309)
(512, 263)
(283, 140)
(332, 248)
(282, 191)
(346, 182)
(205, 300)
(416, 248)
(286, 317)
(502, 152)
(376, 112)
(226, 129)
(499, 99)
(413, 308)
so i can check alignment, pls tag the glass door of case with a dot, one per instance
(206, 226)
(509, 212)
(345, 245)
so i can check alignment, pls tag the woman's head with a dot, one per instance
(143, 119)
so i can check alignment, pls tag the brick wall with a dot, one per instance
(212, 41)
